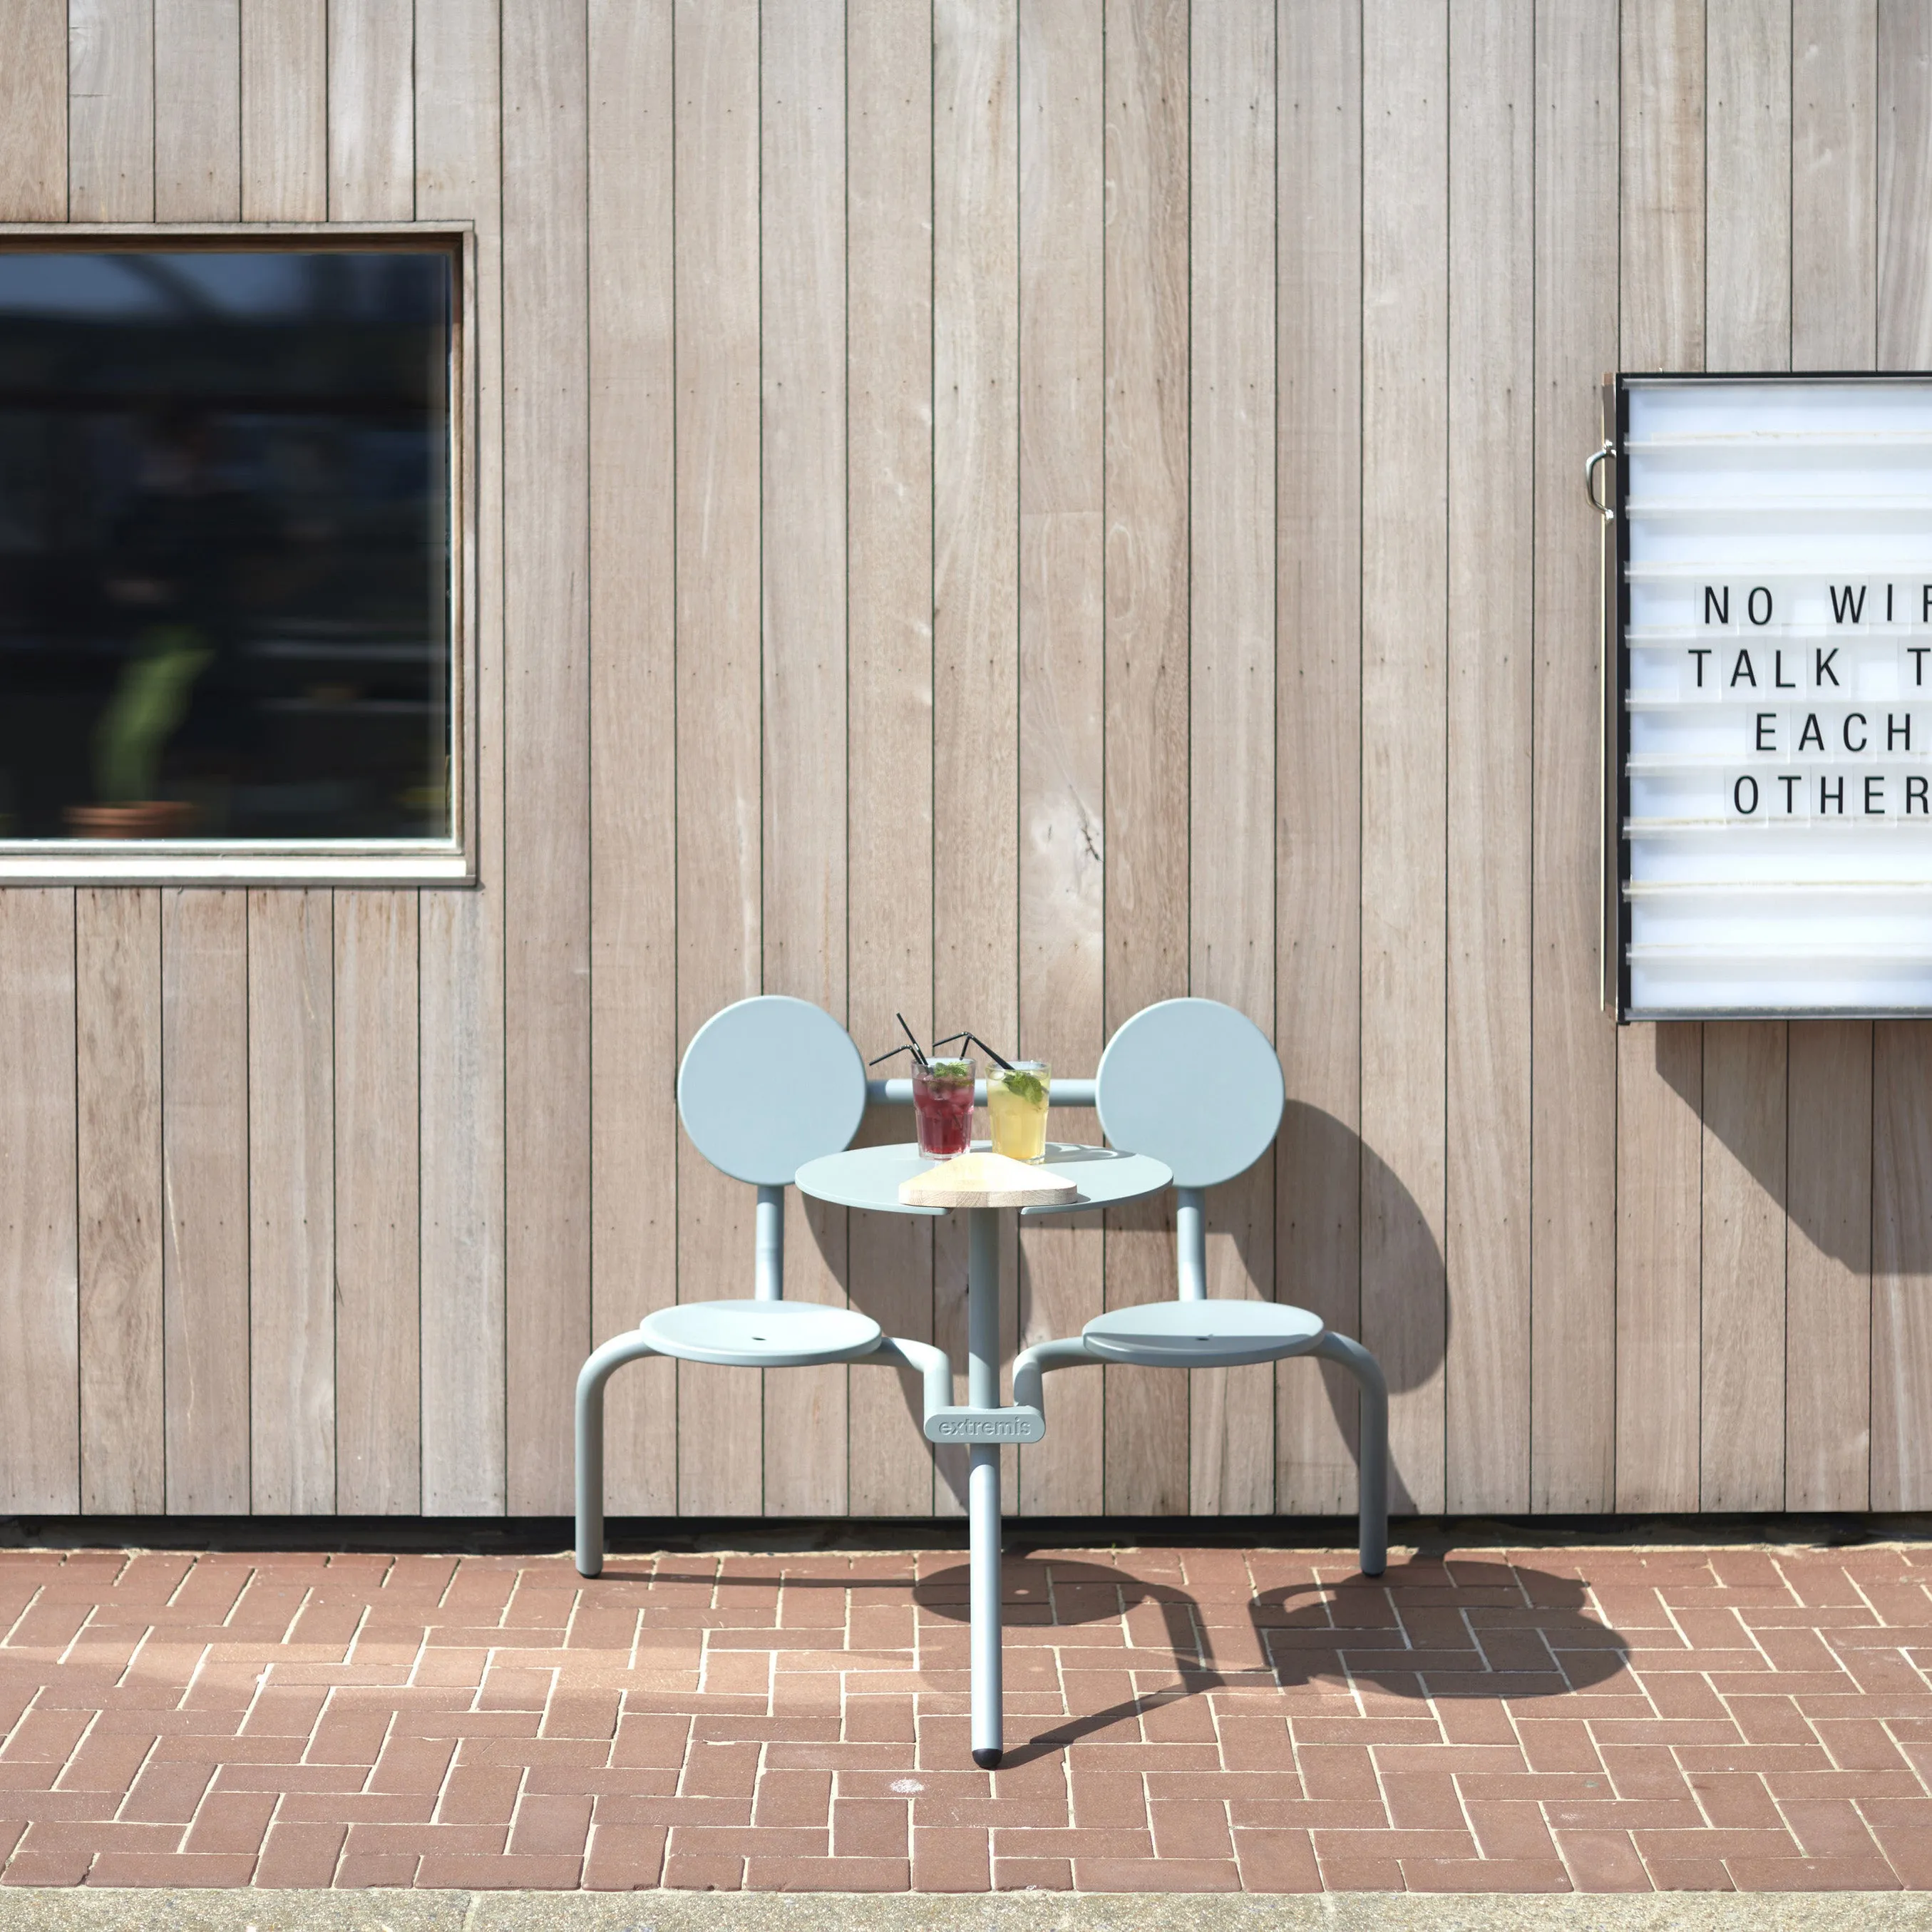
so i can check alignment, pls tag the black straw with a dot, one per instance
(893, 1054)
(998, 1060)
(918, 1051)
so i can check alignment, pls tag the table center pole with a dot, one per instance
(982, 1479)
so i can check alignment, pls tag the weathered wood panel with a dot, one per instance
(1062, 699)
(1827, 1361)
(802, 306)
(33, 110)
(975, 569)
(117, 946)
(1748, 303)
(1827, 1396)
(1490, 656)
(1904, 298)
(282, 132)
(378, 1258)
(1901, 1215)
(460, 935)
(1572, 1045)
(1834, 183)
(1405, 458)
(110, 116)
(197, 110)
(204, 1191)
(1319, 730)
(1748, 193)
(1901, 1223)
(633, 786)
(1146, 1450)
(888, 655)
(1231, 80)
(546, 877)
(39, 1424)
(1741, 1374)
(372, 112)
(42, 1197)
(285, 106)
(1659, 1069)
(721, 1451)
(292, 1204)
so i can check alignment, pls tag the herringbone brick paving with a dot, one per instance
(1600, 1720)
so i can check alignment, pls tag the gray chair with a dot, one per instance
(765, 1086)
(1196, 1084)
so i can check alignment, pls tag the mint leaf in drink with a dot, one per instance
(1024, 1086)
(950, 1073)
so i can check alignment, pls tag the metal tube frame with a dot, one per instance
(1067, 1093)
(982, 1380)
(982, 1482)
(930, 1364)
(1032, 1365)
(1190, 1242)
(770, 1279)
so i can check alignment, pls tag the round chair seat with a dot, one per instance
(761, 1334)
(1202, 1334)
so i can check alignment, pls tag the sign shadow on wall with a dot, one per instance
(1499, 1630)
(1723, 1070)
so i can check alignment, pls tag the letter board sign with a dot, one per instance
(1769, 721)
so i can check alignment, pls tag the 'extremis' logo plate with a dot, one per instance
(986, 1425)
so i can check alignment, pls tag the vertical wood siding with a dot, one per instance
(1007, 510)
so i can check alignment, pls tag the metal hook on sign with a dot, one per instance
(1596, 457)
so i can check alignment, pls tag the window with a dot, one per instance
(229, 589)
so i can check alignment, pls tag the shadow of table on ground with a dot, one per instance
(1426, 1630)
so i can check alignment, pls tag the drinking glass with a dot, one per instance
(1016, 1103)
(942, 1103)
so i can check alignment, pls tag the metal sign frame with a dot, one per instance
(1615, 661)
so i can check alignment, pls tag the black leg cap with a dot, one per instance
(989, 1759)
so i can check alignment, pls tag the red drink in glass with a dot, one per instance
(942, 1101)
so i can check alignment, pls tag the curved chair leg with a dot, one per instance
(931, 1363)
(934, 1365)
(590, 1380)
(1374, 1459)
(1031, 1366)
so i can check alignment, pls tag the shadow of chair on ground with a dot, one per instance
(1496, 1630)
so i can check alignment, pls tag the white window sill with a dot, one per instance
(201, 861)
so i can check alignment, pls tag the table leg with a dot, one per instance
(982, 1479)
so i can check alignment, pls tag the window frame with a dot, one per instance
(449, 861)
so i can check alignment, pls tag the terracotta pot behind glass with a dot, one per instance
(152, 818)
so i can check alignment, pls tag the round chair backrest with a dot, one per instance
(1194, 1084)
(768, 1084)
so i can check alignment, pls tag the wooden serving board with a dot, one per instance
(985, 1180)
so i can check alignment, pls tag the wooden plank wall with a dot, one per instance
(1006, 510)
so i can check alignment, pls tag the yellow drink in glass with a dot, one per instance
(1016, 1103)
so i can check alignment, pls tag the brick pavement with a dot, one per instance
(1202, 1720)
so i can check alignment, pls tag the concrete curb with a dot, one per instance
(81, 1908)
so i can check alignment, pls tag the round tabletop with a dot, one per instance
(869, 1177)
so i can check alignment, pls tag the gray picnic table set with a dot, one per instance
(1189, 1094)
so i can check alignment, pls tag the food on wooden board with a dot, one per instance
(983, 1180)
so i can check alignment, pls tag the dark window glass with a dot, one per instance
(224, 544)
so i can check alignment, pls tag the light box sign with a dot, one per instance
(1770, 730)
